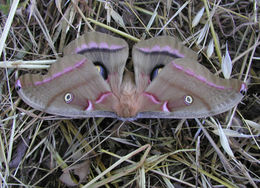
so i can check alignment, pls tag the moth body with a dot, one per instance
(128, 101)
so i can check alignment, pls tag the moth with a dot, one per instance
(91, 80)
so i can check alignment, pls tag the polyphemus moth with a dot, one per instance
(91, 80)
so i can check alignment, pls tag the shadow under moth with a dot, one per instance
(91, 81)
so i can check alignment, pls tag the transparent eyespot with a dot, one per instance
(98, 68)
(156, 71)
(68, 97)
(101, 69)
(188, 100)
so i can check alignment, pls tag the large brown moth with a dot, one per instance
(91, 81)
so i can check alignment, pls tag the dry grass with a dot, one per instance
(36, 149)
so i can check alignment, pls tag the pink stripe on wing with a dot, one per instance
(166, 48)
(103, 45)
(198, 77)
(165, 107)
(177, 53)
(102, 97)
(158, 48)
(90, 106)
(152, 98)
(94, 45)
(58, 74)
(116, 47)
(80, 48)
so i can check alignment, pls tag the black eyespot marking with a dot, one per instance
(68, 98)
(156, 70)
(101, 69)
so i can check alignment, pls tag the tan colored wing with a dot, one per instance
(156, 51)
(186, 89)
(102, 48)
(73, 87)
(76, 76)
